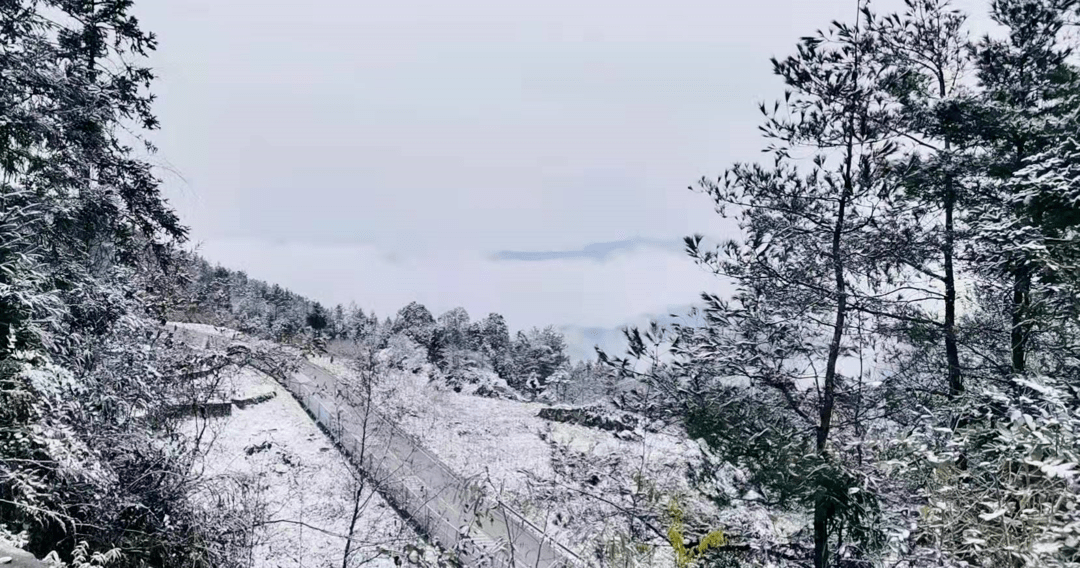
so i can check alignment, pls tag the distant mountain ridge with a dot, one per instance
(596, 251)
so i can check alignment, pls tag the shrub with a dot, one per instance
(686, 556)
(1001, 487)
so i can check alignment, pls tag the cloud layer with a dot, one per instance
(380, 151)
(560, 291)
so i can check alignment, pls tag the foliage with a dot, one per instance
(684, 556)
(87, 272)
(464, 351)
(416, 323)
(317, 319)
(907, 269)
(81, 557)
(538, 354)
(493, 339)
(402, 353)
(1001, 486)
(219, 296)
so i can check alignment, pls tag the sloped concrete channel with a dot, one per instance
(453, 512)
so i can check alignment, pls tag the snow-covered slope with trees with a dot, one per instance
(891, 378)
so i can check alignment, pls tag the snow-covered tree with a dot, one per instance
(337, 322)
(925, 51)
(1030, 97)
(87, 270)
(358, 324)
(492, 337)
(538, 354)
(451, 331)
(417, 323)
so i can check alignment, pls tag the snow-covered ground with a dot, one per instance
(571, 480)
(203, 328)
(196, 334)
(556, 473)
(289, 466)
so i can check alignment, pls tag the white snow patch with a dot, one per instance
(302, 478)
(506, 442)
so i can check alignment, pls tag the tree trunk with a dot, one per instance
(821, 532)
(952, 354)
(822, 510)
(352, 525)
(828, 388)
(1020, 300)
(1020, 295)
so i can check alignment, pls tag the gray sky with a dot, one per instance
(530, 158)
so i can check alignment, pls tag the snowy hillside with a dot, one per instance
(576, 482)
(299, 480)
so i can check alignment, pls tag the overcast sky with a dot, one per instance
(530, 158)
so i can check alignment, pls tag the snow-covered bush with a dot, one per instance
(460, 366)
(77, 436)
(469, 372)
(556, 387)
(1001, 487)
(485, 382)
(83, 557)
(600, 416)
(588, 382)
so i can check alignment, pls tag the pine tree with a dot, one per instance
(927, 53)
(494, 342)
(318, 319)
(1029, 87)
(60, 149)
(417, 323)
(806, 263)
